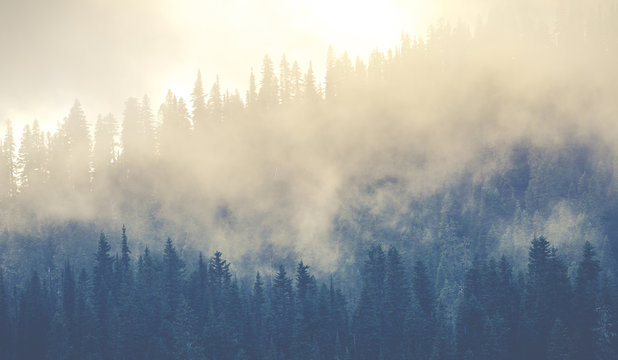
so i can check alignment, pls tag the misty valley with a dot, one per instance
(453, 197)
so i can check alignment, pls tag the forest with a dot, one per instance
(154, 308)
(453, 197)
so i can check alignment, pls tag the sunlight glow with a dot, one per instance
(372, 21)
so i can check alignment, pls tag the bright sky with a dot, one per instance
(103, 51)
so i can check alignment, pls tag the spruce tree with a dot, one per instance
(199, 113)
(268, 96)
(5, 321)
(585, 304)
(102, 275)
(421, 318)
(33, 322)
(396, 304)
(173, 277)
(282, 312)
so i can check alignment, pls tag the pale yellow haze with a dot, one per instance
(102, 52)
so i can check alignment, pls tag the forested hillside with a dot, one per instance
(420, 184)
(156, 308)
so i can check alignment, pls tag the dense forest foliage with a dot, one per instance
(450, 150)
(155, 308)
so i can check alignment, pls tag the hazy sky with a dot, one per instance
(103, 51)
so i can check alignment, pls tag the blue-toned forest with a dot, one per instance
(454, 197)
(155, 308)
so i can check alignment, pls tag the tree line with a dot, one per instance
(153, 307)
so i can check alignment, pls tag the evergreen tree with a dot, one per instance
(268, 96)
(199, 292)
(310, 91)
(369, 318)
(282, 312)
(214, 106)
(132, 133)
(330, 83)
(471, 325)
(102, 276)
(258, 322)
(149, 305)
(396, 303)
(547, 294)
(9, 166)
(252, 96)
(304, 322)
(296, 76)
(220, 279)
(104, 153)
(59, 347)
(187, 345)
(24, 159)
(199, 114)
(420, 322)
(559, 342)
(33, 323)
(5, 321)
(175, 127)
(85, 336)
(125, 260)
(69, 301)
(78, 146)
(585, 301)
(286, 80)
(147, 119)
(173, 274)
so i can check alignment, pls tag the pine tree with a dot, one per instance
(150, 135)
(104, 153)
(132, 133)
(559, 342)
(199, 105)
(125, 260)
(508, 306)
(175, 127)
(396, 303)
(33, 323)
(69, 300)
(9, 167)
(268, 96)
(585, 301)
(330, 83)
(102, 287)
(5, 321)
(310, 91)
(296, 76)
(214, 106)
(78, 141)
(199, 292)
(420, 321)
(547, 294)
(252, 96)
(148, 299)
(285, 76)
(220, 279)
(24, 159)
(471, 322)
(186, 342)
(304, 321)
(258, 322)
(282, 312)
(59, 347)
(368, 323)
(86, 336)
(173, 277)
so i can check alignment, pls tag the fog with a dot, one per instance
(274, 173)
